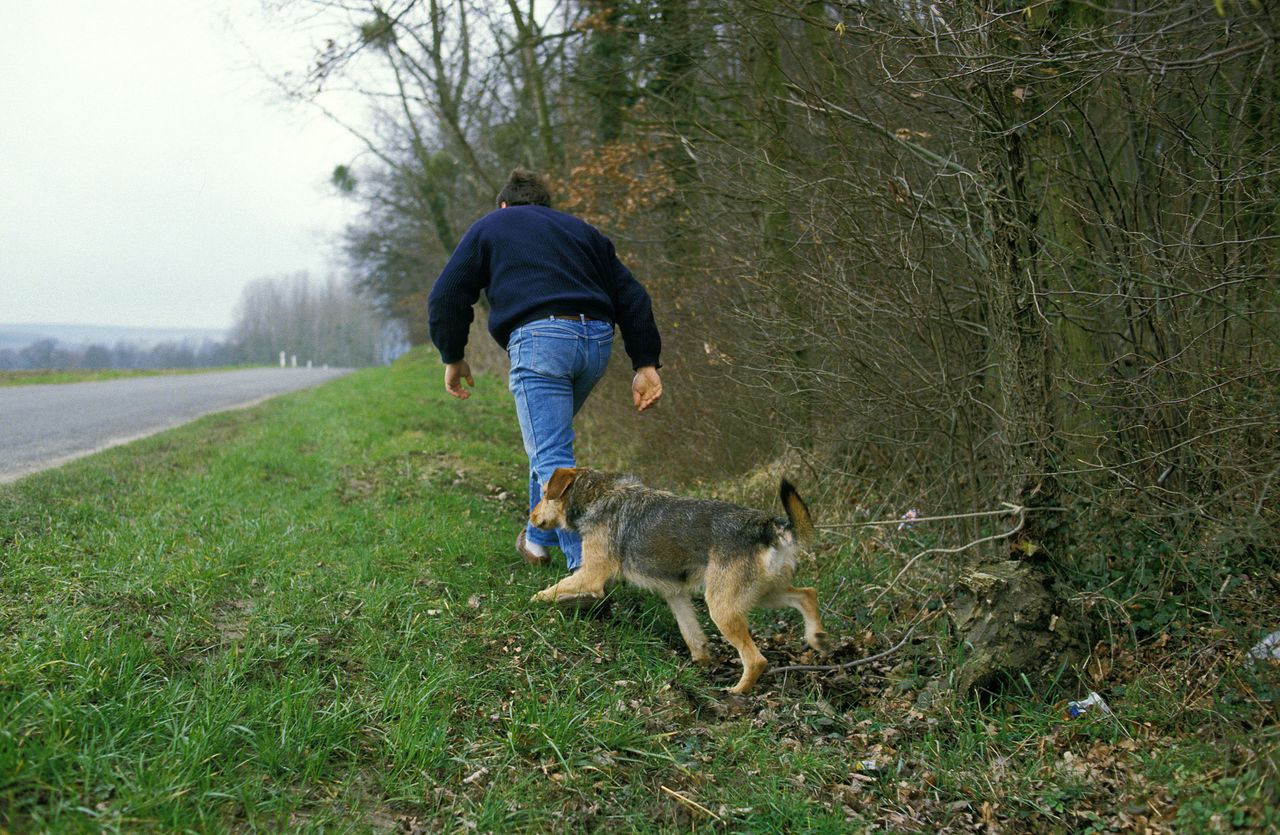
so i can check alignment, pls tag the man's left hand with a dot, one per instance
(646, 387)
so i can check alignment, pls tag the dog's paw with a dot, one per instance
(822, 642)
(703, 658)
(733, 704)
(547, 595)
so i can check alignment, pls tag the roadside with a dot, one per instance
(45, 426)
(308, 616)
(45, 376)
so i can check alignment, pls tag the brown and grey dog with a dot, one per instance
(674, 546)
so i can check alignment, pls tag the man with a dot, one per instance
(555, 289)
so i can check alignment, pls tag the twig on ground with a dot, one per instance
(692, 804)
(1008, 508)
(822, 668)
(1022, 518)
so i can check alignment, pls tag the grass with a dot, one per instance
(307, 616)
(45, 376)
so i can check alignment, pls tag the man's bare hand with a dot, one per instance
(454, 374)
(646, 387)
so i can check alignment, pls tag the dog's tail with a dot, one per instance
(797, 512)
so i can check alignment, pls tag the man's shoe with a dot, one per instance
(528, 556)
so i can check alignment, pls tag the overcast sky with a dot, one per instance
(147, 172)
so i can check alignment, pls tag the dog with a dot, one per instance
(672, 545)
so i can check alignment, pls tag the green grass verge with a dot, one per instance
(46, 376)
(308, 616)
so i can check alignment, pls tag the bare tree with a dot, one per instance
(319, 322)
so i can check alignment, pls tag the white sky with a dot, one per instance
(147, 170)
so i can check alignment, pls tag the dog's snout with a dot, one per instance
(539, 519)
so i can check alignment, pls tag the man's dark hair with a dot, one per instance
(525, 188)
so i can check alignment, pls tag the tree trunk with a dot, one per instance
(1012, 621)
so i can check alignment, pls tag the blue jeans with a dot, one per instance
(554, 365)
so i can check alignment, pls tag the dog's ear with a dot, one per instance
(560, 482)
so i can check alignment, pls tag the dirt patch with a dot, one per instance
(418, 474)
(231, 620)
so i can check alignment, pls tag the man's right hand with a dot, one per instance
(454, 374)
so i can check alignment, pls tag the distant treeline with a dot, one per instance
(49, 353)
(323, 323)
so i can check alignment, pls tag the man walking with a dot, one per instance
(555, 289)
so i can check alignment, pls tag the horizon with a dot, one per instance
(16, 336)
(111, 325)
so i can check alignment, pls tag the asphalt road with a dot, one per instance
(43, 426)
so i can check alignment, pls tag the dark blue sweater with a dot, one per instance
(533, 262)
